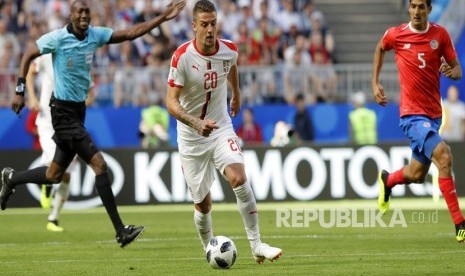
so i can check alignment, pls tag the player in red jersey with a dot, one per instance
(423, 51)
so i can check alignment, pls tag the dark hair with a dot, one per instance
(203, 6)
(428, 2)
(76, 2)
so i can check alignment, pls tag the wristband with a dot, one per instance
(20, 86)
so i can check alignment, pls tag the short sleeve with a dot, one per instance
(103, 35)
(233, 47)
(448, 50)
(388, 41)
(176, 77)
(48, 43)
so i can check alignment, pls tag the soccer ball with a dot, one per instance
(221, 252)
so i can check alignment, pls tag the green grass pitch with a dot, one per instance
(425, 245)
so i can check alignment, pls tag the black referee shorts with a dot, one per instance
(70, 136)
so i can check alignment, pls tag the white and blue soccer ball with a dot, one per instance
(221, 252)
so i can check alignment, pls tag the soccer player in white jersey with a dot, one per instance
(197, 98)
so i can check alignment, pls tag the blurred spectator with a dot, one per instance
(283, 135)
(249, 132)
(8, 39)
(228, 17)
(317, 46)
(454, 113)
(179, 29)
(57, 13)
(305, 15)
(297, 77)
(9, 13)
(268, 90)
(8, 63)
(299, 46)
(299, 5)
(161, 33)
(220, 32)
(243, 41)
(106, 10)
(8, 60)
(125, 14)
(126, 85)
(265, 43)
(363, 127)
(287, 17)
(245, 14)
(324, 78)
(152, 78)
(327, 39)
(303, 124)
(287, 40)
(265, 7)
(104, 88)
(154, 127)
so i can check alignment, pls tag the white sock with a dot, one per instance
(203, 223)
(248, 209)
(61, 195)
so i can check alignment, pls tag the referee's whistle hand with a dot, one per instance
(18, 104)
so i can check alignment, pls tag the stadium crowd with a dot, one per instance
(285, 36)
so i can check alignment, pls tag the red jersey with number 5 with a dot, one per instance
(203, 80)
(418, 57)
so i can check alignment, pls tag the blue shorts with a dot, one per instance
(423, 133)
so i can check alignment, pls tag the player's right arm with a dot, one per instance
(170, 12)
(31, 53)
(378, 59)
(173, 105)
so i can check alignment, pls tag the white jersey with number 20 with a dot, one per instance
(203, 80)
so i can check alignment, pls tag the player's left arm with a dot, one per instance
(451, 69)
(233, 81)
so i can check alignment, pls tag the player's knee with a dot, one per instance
(66, 178)
(54, 177)
(205, 209)
(99, 165)
(418, 176)
(237, 180)
(443, 157)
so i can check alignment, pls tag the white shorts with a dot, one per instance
(48, 146)
(200, 160)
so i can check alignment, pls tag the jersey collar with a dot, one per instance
(70, 30)
(417, 31)
(200, 52)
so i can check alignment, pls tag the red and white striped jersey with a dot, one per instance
(203, 82)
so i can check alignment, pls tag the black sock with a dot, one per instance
(48, 190)
(102, 184)
(36, 175)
